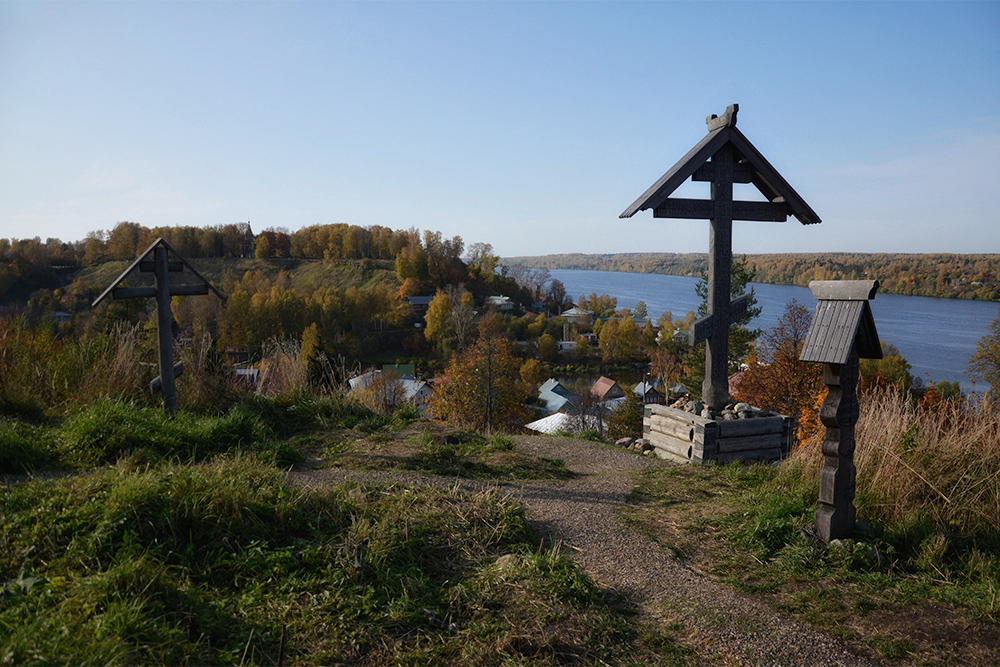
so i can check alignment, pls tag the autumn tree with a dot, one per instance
(619, 340)
(533, 374)
(437, 319)
(384, 394)
(664, 365)
(985, 362)
(548, 348)
(481, 388)
(892, 370)
(625, 421)
(775, 378)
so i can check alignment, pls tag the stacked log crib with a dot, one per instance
(687, 438)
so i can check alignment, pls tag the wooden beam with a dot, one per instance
(844, 290)
(738, 308)
(188, 290)
(133, 292)
(680, 172)
(157, 383)
(701, 329)
(704, 209)
(164, 333)
(147, 266)
(760, 211)
(695, 209)
(741, 173)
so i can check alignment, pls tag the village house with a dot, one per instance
(607, 389)
(555, 396)
(578, 316)
(499, 303)
(648, 392)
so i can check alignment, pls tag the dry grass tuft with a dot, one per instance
(941, 466)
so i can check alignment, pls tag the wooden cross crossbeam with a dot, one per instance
(156, 260)
(724, 157)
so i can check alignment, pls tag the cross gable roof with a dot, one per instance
(764, 177)
(147, 256)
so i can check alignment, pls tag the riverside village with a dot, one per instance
(356, 445)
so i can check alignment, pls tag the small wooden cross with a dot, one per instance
(156, 260)
(722, 158)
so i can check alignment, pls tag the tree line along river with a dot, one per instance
(936, 336)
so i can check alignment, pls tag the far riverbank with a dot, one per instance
(936, 336)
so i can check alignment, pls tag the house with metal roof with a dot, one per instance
(555, 396)
(607, 389)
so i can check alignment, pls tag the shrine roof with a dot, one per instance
(843, 319)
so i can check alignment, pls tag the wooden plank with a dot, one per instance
(769, 181)
(157, 384)
(188, 290)
(678, 207)
(678, 448)
(133, 292)
(680, 415)
(760, 211)
(677, 430)
(844, 290)
(773, 454)
(749, 442)
(706, 173)
(738, 308)
(680, 172)
(753, 426)
(164, 333)
(701, 329)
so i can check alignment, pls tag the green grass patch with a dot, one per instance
(224, 563)
(470, 455)
(108, 430)
(748, 525)
(25, 448)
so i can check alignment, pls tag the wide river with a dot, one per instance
(937, 336)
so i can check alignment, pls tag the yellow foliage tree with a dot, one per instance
(481, 388)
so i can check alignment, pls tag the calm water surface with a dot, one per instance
(937, 336)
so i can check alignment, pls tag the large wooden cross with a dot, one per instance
(722, 158)
(156, 260)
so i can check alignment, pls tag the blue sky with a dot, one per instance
(527, 125)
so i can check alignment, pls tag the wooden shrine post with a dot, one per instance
(724, 157)
(156, 260)
(842, 331)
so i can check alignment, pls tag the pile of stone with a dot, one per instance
(730, 412)
(635, 445)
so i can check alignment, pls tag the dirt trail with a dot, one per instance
(726, 628)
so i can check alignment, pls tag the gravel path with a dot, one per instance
(582, 513)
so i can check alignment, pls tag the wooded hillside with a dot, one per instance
(937, 275)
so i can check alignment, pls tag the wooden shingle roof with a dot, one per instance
(843, 319)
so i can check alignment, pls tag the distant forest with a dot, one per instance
(936, 275)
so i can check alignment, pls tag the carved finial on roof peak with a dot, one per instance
(727, 119)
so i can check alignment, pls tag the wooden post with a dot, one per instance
(164, 331)
(836, 516)
(715, 386)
